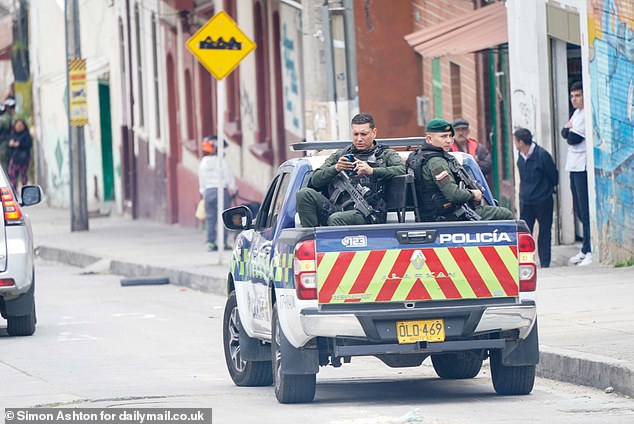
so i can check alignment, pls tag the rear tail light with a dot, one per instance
(528, 267)
(305, 270)
(7, 282)
(11, 209)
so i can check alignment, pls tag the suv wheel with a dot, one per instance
(511, 380)
(242, 372)
(289, 388)
(456, 366)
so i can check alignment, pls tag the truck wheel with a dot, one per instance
(456, 366)
(511, 380)
(242, 372)
(289, 388)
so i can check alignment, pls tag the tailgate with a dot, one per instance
(417, 262)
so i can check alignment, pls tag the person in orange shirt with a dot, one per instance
(463, 143)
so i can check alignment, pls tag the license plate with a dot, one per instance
(430, 330)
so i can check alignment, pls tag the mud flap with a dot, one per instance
(298, 361)
(21, 305)
(522, 352)
(253, 349)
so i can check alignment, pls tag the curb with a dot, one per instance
(586, 369)
(194, 281)
(564, 365)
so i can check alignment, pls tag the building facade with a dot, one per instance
(316, 64)
(579, 40)
(48, 70)
(463, 53)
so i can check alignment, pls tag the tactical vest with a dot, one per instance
(376, 192)
(431, 202)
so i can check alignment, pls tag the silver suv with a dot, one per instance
(17, 275)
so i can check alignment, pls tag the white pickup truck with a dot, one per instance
(301, 298)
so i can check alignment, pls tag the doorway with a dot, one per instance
(107, 162)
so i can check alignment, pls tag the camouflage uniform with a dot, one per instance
(440, 195)
(315, 209)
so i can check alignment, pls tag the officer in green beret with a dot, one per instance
(440, 196)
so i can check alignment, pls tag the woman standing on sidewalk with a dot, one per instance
(19, 144)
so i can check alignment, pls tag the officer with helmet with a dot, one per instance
(210, 170)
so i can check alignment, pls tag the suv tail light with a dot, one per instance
(7, 282)
(305, 270)
(11, 209)
(528, 267)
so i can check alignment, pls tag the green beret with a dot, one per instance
(438, 126)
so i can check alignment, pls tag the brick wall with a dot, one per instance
(387, 68)
(612, 82)
(428, 14)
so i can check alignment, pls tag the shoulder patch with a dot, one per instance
(442, 175)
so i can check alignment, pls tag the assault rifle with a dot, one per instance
(342, 184)
(465, 180)
(464, 176)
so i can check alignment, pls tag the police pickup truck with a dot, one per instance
(301, 298)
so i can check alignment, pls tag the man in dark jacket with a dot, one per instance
(369, 164)
(538, 179)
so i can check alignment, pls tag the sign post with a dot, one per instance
(220, 45)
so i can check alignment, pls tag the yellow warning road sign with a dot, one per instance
(220, 45)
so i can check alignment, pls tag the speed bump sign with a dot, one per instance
(220, 45)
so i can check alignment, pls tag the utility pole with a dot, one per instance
(221, 98)
(76, 147)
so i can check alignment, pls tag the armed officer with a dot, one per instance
(369, 166)
(440, 195)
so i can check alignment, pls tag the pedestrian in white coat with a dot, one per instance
(210, 170)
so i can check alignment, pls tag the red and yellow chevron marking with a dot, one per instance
(390, 275)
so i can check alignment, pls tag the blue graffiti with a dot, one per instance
(612, 76)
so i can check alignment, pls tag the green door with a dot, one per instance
(106, 140)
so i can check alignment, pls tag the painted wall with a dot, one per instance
(611, 35)
(533, 95)
(607, 58)
(528, 63)
(49, 73)
(292, 72)
(6, 77)
(252, 171)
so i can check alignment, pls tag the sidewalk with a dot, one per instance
(585, 314)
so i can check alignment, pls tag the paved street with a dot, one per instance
(99, 344)
(585, 317)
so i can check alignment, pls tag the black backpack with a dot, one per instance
(414, 163)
